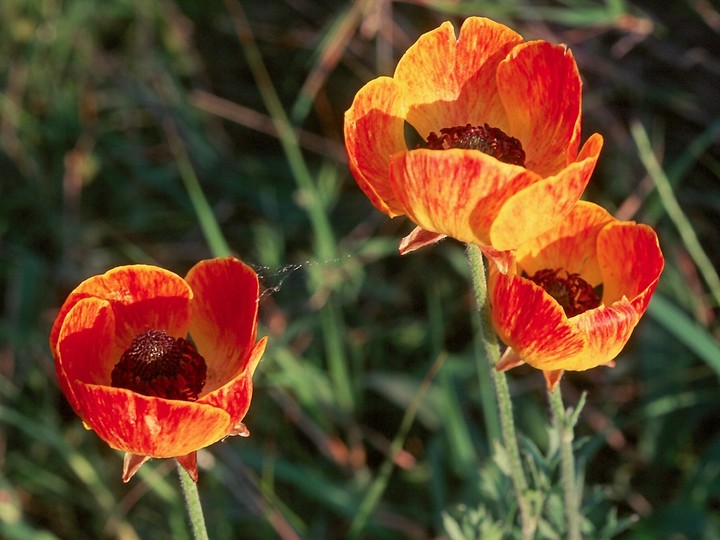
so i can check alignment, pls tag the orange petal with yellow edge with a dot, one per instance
(223, 323)
(449, 81)
(535, 209)
(455, 192)
(539, 85)
(374, 131)
(149, 426)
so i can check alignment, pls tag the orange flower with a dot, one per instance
(575, 293)
(501, 122)
(127, 370)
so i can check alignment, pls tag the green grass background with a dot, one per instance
(136, 130)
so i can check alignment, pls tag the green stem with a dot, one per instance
(564, 426)
(507, 425)
(192, 501)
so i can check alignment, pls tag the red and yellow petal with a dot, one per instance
(84, 346)
(223, 323)
(631, 263)
(455, 192)
(482, 45)
(531, 322)
(141, 297)
(570, 245)
(440, 67)
(538, 207)
(607, 330)
(374, 130)
(540, 87)
(235, 396)
(149, 426)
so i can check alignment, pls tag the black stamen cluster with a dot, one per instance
(489, 140)
(157, 364)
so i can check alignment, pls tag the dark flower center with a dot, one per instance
(572, 292)
(490, 140)
(160, 365)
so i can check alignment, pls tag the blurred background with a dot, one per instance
(131, 129)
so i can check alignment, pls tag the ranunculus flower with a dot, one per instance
(127, 369)
(575, 293)
(500, 118)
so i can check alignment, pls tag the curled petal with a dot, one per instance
(224, 316)
(631, 262)
(535, 209)
(239, 430)
(455, 192)
(374, 131)
(540, 87)
(149, 426)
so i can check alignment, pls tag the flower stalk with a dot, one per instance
(192, 503)
(564, 424)
(528, 518)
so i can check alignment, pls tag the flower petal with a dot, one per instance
(141, 297)
(540, 87)
(223, 323)
(455, 192)
(149, 426)
(235, 396)
(532, 323)
(607, 329)
(570, 245)
(535, 209)
(84, 346)
(374, 130)
(631, 263)
(449, 81)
